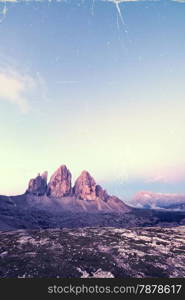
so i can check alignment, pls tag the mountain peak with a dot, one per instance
(60, 183)
(85, 187)
(44, 175)
(38, 185)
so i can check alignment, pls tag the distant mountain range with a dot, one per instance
(152, 200)
(58, 204)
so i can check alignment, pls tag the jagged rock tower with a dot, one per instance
(38, 186)
(60, 183)
(85, 194)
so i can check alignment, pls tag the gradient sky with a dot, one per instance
(81, 86)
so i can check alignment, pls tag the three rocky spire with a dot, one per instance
(85, 187)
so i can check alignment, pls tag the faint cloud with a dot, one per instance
(67, 81)
(13, 87)
(115, 1)
(157, 178)
(8, 1)
(119, 1)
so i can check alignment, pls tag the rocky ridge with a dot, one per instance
(58, 204)
(85, 195)
(60, 183)
(38, 186)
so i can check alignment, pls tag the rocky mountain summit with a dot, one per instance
(60, 183)
(85, 195)
(38, 186)
(85, 187)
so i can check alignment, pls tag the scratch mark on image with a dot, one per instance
(119, 11)
(3, 12)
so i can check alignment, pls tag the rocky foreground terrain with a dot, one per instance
(93, 252)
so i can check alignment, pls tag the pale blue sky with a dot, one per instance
(78, 87)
